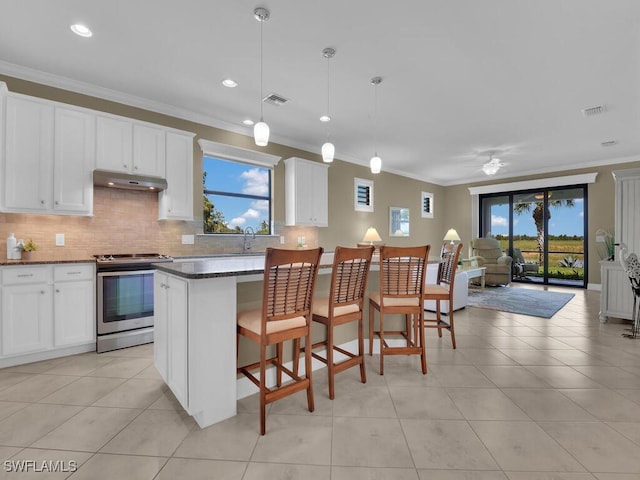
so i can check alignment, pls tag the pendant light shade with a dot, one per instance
(261, 129)
(328, 150)
(261, 133)
(376, 162)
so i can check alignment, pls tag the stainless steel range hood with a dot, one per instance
(127, 181)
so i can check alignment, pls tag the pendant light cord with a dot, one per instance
(328, 111)
(375, 118)
(261, 68)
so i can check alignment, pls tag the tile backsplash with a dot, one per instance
(126, 221)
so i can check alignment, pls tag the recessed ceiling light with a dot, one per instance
(325, 118)
(81, 30)
(248, 122)
(229, 83)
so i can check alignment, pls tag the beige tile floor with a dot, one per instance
(522, 398)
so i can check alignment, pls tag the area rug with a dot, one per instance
(537, 303)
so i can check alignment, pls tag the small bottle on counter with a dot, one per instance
(11, 246)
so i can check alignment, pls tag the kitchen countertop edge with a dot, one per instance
(221, 266)
(11, 263)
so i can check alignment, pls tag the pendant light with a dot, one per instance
(376, 162)
(328, 150)
(261, 129)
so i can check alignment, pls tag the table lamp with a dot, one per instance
(451, 236)
(371, 236)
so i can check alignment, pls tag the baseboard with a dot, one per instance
(47, 355)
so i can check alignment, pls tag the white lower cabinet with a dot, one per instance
(616, 296)
(74, 305)
(171, 339)
(47, 311)
(26, 318)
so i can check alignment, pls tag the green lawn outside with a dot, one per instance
(569, 247)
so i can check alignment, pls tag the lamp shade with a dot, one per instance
(261, 133)
(328, 151)
(452, 236)
(371, 236)
(375, 164)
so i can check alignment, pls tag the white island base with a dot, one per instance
(195, 343)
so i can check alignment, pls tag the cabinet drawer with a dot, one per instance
(21, 275)
(73, 272)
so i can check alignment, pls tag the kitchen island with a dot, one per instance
(195, 304)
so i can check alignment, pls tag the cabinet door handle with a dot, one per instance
(42, 202)
(135, 167)
(42, 292)
(57, 202)
(25, 275)
(74, 273)
(125, 165)
(57, 290)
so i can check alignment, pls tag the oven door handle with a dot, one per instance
(122, 273)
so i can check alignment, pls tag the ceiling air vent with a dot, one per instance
(597, 110)
(275, 99)
(609, 143)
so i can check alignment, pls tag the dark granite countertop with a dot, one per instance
(45, 261)
(224, 266)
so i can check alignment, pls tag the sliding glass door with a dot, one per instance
(543, 230)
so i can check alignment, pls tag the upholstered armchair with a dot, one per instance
(487, 253)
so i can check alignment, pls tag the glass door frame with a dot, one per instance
(509, 196)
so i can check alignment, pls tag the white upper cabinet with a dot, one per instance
(127, 146)
(48, 158)
(114, 144)
(73, 161)
(28, 160)
(149, 150)
(176, 202)
(49, 150)
(306, 192)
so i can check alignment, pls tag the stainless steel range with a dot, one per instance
(125, 299)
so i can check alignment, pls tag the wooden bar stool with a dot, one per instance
(344, 305)
(402, 272)
(443, 290)
(289, 283)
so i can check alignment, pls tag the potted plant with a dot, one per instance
(28, 247)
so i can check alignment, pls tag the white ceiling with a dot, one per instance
(461, 78)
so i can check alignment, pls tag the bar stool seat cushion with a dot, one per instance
(321, 308)
(395, 302)
(252, 321)
(435, 290)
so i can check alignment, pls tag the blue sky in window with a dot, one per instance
(564, 220)
(236, 177)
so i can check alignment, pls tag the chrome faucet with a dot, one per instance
(246, 246)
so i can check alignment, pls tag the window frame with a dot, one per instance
(244, 156)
